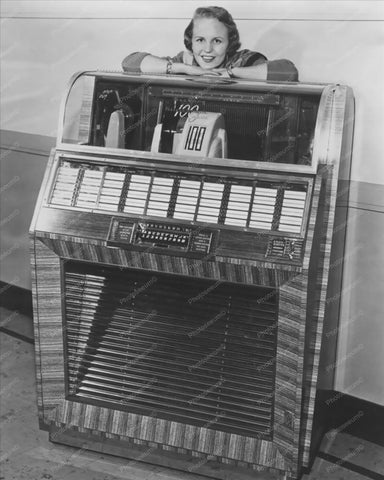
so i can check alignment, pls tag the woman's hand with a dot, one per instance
(192, 70)
(253, 72)
(152, 64)
(223, 72)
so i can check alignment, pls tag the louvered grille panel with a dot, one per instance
(191, 350)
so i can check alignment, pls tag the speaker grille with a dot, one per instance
(196, 351)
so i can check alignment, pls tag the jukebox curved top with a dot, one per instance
(271, 123)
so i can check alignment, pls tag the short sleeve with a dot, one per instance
(282, 70)
(246, 58)
(277, 70)
(132, 62)
(185, 56)
(178, 58)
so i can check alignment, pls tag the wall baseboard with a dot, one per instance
(31, 143)
(15, 298)
(341, 413)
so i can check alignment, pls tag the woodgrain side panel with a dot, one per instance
(289, 368)
(48, 328)
(35, 305)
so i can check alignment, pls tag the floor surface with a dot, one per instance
(27, 454)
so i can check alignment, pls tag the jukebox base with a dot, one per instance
(158, 455)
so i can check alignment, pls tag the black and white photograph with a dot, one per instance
(191, 240)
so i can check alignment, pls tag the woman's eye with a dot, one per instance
(198, 39)
(217, 40)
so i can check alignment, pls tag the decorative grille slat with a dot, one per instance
(121, 326)
(169, 339)
(114, 374)
(238, 370)
(263, 383)
(207, 402)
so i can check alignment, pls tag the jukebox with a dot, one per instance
(183, 254)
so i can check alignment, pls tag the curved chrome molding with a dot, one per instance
(255, 85)
(124, 154)
(63, 104)
(332, 148)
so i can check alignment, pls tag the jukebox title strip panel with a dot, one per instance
(274, 206)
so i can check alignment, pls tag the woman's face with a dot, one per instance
(209, 42)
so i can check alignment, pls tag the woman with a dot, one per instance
(212, 42)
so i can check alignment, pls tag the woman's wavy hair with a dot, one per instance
(224, 17)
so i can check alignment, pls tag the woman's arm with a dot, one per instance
(152, 64)
(146, 63)
(254, 72)
(275, 70)
(282, 70)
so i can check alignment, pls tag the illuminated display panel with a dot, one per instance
(259, 205)
(160, 196)
(137, 194)
(65, 184)
(210, 202)
(238, 205)
(89, 189)
(186, 200)
(111, 190)
(292, 211)
(263, 208)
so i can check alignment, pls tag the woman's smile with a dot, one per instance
(207, 58)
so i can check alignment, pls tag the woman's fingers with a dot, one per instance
(194, 70)
(211, 73)
(222, 72)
